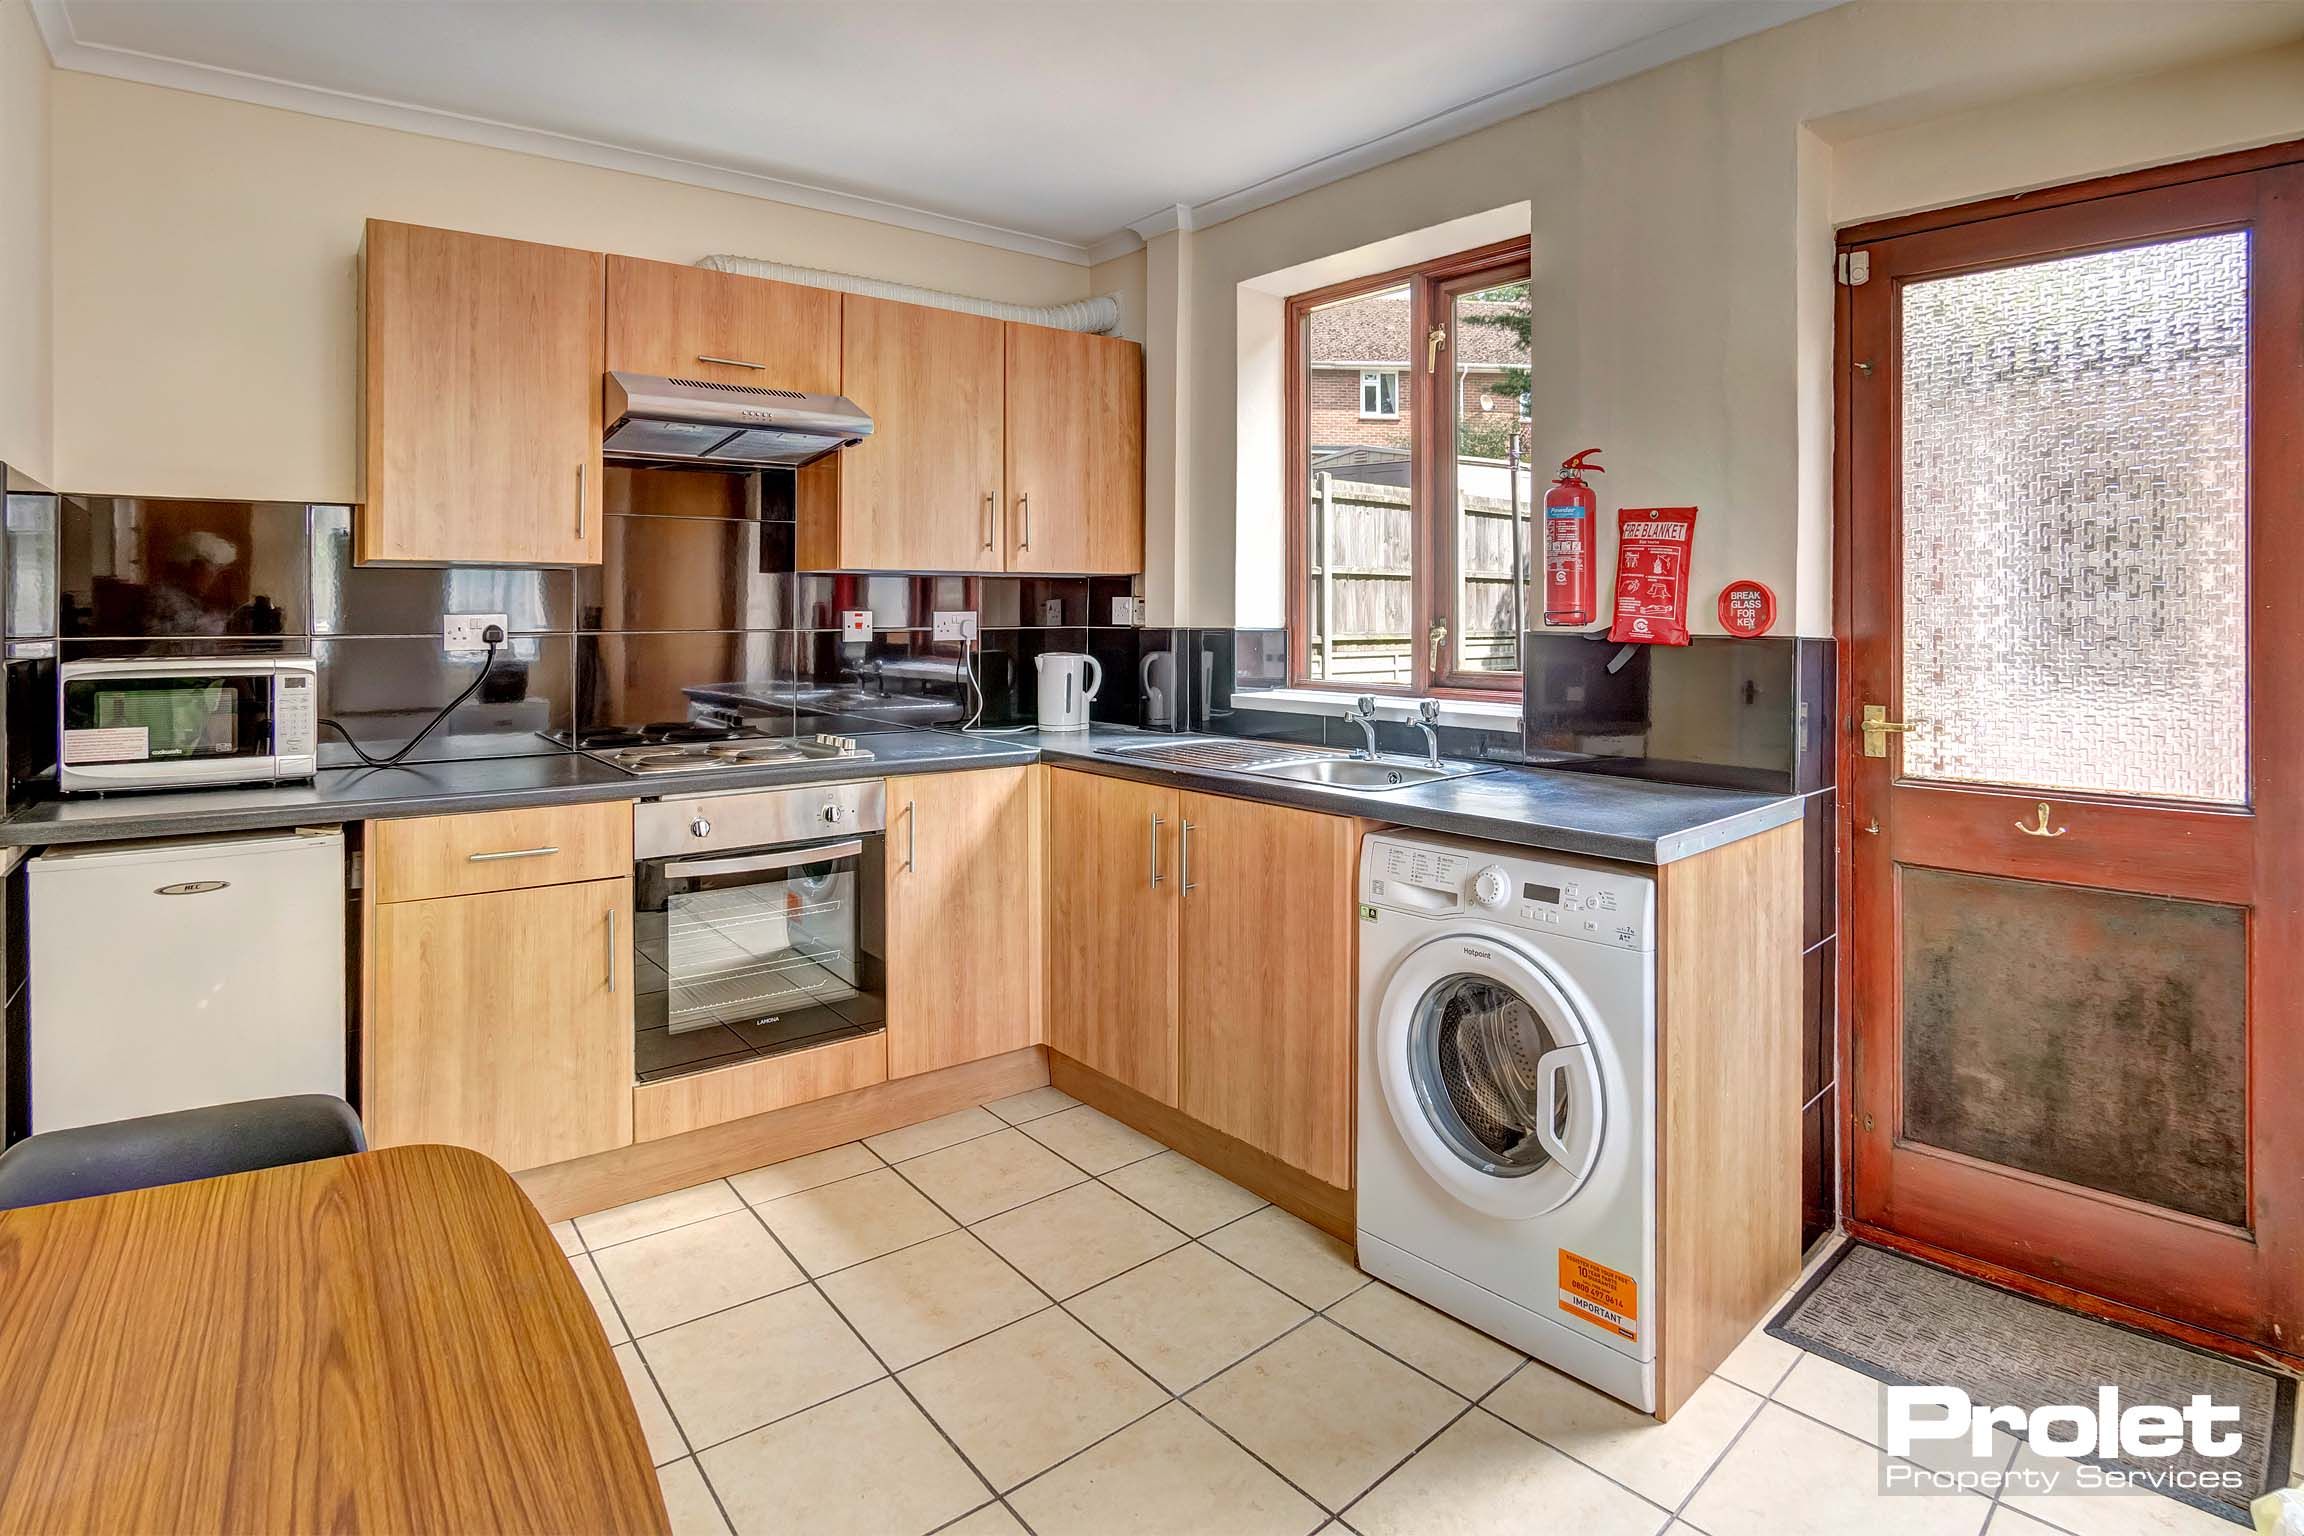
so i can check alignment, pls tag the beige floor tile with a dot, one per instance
(2141, 1512)
(1790, 1476)
(930, 1135)
(1186, 1315)
(588, 1275)
(1433, 1342)
(658, 1213)
(1326, 1411)
(703, 1267)
(1020, 1107)
(798, 1173)
(741, 1368)
(1018, 1401)
(1165, 1475)
(1850, 1401)
(1090, 1139)
(1182, 1193)
(2009, 1522)
(991, 1520)
(835, 1225)
(663, 1436)
(1077, 1238)
(866, 1464)
(1761, 1362)
(1665, 1461)
(989, 1175)
(693, 1510)
(564, 1233)
(1297, 1257)
(922, 1300)
(1482, 1477)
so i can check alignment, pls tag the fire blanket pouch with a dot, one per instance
(1652, 550)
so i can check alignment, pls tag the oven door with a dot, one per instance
(133, 724)
(749, 953)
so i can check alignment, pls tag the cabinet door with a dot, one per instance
(1075, 452)
(724, 327)
(1111, 856)
(481, 441)
(1267, 977)
(963, 917)
(922, 493)
(503, 1022)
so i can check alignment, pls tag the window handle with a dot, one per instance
(1432, 345)
(1439, 639)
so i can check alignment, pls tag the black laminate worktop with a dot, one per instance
(1592, 814)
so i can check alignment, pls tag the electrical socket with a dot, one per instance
(1128, 610)
(956, 624)
(856, 623)
(461, 631)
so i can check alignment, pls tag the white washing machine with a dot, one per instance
(1507, 1141)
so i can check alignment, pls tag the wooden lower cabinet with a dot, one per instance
(502, 1022)
(1111, 848)
(963, 860)
(1266, 977)
(1201, 952)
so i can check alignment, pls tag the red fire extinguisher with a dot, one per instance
(1569, 524)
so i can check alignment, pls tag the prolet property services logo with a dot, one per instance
(1940, 1440)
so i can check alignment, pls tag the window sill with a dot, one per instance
(1458, 714)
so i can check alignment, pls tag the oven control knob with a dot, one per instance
(833, 815)
(700, 828)
(1492, 887)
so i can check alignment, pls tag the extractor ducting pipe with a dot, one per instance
(1099, 316)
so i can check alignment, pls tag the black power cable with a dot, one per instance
(492, 637)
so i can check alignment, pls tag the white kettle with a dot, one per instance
(1064, 691)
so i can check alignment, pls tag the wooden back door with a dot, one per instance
(2072, 467)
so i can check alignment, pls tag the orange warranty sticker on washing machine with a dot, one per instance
(1598, 1294)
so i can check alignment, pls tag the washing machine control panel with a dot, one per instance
(1596, 905)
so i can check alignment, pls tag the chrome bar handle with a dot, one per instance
(1024, 504)
(611, 950)
(579, 498)
(509, 853)
(911, 836)
(1157, 824)
(989, 499)
(760, 863)
(1184, 858)
(730, 362)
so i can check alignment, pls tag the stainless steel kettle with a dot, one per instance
(1068, 680)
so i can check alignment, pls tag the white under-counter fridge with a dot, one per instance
(169, 975)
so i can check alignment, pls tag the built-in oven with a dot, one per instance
(758, 923)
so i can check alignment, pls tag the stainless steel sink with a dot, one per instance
(1360, 773)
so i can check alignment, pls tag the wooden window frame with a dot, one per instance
(1432, 287)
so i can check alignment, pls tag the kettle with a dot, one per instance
(1063, 699)
(1157, 674)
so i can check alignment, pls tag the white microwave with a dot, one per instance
(181, 722)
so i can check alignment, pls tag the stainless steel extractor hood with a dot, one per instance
(656, 420)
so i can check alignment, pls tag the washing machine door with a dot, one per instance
(1489, 1073)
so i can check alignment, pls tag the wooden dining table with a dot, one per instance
(390, 1342)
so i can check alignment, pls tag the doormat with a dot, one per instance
(1906, 1323)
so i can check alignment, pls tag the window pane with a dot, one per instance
(1489, 344)
(2074, 515)
(1360, 536)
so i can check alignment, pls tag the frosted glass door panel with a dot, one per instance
(2074, 523)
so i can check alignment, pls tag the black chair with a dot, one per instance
(177, 1147)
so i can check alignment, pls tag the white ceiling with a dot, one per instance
(1055, 126)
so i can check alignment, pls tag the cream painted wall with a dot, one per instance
(25, 353)
(204, 258)
(1682, 239)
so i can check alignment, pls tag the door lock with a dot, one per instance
(1877, 725)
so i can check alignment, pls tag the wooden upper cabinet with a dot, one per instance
(1075, 465)
(481, 392)
(1267, 969)
(1111, 847)
(723, 327)
(963, 916)
(923, 492)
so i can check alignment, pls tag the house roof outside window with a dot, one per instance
(1373, 333)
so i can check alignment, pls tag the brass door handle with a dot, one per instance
(1876, 725)
(2042, 829)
